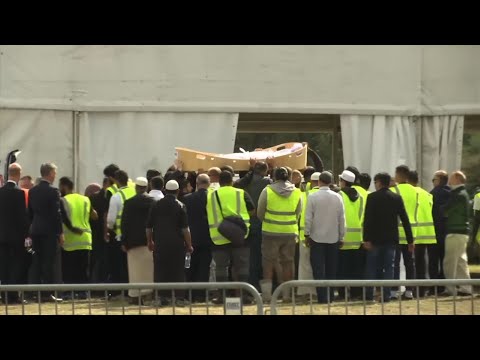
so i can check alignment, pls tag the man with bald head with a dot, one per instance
(455, 263)
(196, 204)
(214, 175)
(13, 231)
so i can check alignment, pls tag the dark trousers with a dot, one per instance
(351, 265)
(296, 261)
(98, 264)
(75, 266)
(117, 263)
(25, 267)
(440, 254)
(255, 242)
(45, 258)
(11, 262)
(382, 257)
(169, 266)
(408, 262)
(324, 260)
(227, 257)
(199, 269)
(421, 251)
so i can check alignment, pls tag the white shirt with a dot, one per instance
(214, 186)
(156, 194)
(476, 203)
(114, 208)
(325, 216)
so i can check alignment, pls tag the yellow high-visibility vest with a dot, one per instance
(354, 212)
(410, 199)
(301, 229)
(233, 203)
(79, 208)
(112, 189)
(126, 193)
(280, 214)
(362, 192)
(425, 226)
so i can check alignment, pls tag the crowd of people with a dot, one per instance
(271, 225)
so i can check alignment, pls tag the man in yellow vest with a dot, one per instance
(304, 265)
(409, 196)
(426, 240)
(118, 258)
(279, 209)
(357, 184)
(221, 203)
(365, 181)
(307, 174)
(76, 247)
(253, 183)
(109, 173)
(214, 174)
(352, 257)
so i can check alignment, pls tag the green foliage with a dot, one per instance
(471, 159)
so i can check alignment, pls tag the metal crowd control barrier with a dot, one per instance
(95, 304)
(434, 304)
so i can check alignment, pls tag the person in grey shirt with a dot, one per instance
(324, 233)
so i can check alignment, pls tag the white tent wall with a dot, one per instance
(138, 141)
(277, 78)
(378, 143)
(441, 147)
(389, 81)
(41, 135)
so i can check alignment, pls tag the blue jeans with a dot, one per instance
(324, 260)
(382, 257)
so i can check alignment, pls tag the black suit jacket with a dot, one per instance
(44, 210)
(196, 204)
(13, 215)
(380, 226)
(134, 220)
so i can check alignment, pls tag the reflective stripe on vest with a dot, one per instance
(410, 199)
(232, 201)
(112, 189)
(301, 229)
(353, 219)
(425, 226)
(79, 209)
(126, 193)
(282, 220)
(363, 193)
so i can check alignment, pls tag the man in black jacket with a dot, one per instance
(441, 194)
(13, 231)
(254, 183)
(380, 231)
(134, 237)
(46, 228)
(196, 204)
(98, 260)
